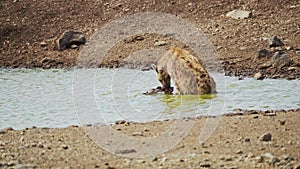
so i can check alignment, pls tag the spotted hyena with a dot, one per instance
(186, 71)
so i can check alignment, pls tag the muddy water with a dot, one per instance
(46, 98)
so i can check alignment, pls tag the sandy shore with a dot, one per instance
(236, 143)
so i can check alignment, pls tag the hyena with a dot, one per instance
(186, 70)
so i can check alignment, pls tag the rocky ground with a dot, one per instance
(29, 29)
(253, 140)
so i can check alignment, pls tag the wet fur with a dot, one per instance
(187, 72)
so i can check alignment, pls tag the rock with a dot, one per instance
(266, 65)
(262, 53)
(204, 165)
(280, 59)
(258, 76)
(239, 14)
(259, 159)
(70, 38)
(137, 134)
(291, 77)
(43, 44)
(266, 137)
(287, 158)
(160, 43)
(65, 147)
(274, 41)
(292, 68)
(268, 157)
(74, 46)
(126, 151)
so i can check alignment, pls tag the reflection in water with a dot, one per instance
(45, 98)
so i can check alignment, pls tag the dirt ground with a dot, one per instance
(25, 24)
(236, 142)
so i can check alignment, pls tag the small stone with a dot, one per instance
(160, 43)
(292, 68)
(44, 60)
(140, 161)
(126, 151)
(120, 122)
(266, 65)
(262, 53)
(270, 158)
(266, 137)
(247, 139)
(289, 48)
(43, 44)
(287, 158)
(274, 41)
(250, 155)
(258, 76)
(280, 59)
(239, 152)
(239, 14)
(69, 38)
(259, 159)
(291, 77)
(182, 160)
(270, 114)
(74, 46)
(65, 147)
(2, 132)
(137, 134)
(40, 145)
(205, 165)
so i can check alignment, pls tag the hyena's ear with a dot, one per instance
(154, 67)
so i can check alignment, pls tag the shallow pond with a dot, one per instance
(59, 98)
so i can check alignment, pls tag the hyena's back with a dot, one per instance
(187, 72)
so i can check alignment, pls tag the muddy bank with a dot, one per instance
(29, 29)
(253, 140)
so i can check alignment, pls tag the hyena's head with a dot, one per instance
(163, 77)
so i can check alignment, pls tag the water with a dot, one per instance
(59, 98)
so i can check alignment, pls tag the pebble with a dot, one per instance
(137, 134)
(266, 137)
(258, 76)
(160, 43)
(263, 53)
(247, 139)
(268, 157)
(250, 155)
(74, 46)
(274, 41)
(292, 68)
(205, 165)
(239, 14)
(65, 147)
(43, 44)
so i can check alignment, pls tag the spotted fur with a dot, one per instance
(186, 71)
